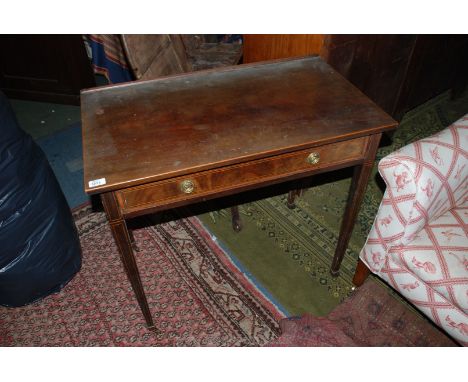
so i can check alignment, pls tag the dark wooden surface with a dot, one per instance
(47, 68)
(179, 140)
(153, 130)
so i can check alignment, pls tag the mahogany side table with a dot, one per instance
(164, 143)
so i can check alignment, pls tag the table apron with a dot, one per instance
(205, 185)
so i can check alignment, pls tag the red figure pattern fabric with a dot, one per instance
(418, 243)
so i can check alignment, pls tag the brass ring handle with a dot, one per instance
(313, 158)
(187, 186)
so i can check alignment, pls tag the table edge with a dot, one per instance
(230, 162)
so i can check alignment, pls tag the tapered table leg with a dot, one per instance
(132, 240)
(122, 238)
(291, 201)
(356, 193)
(236, 220)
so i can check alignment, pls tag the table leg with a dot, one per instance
(356, 193)
(122, 238)
(291, 201)
(132, 240)
(236, 220)
(361, 273)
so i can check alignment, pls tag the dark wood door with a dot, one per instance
(398, 72)
(49, 68)
(376, 64)
(438, 63)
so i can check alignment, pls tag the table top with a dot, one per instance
(144, 131)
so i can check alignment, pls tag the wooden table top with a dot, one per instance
(139, 132)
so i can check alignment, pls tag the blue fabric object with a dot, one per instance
(113, 70)
(230, 38)
(39, 246)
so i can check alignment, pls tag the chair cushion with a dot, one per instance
(424, 180)
(432, 271)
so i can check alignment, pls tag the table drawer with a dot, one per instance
(241, 175)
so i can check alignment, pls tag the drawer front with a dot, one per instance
(198, 185)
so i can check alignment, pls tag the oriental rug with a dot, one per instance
(370, 317)
(196, 294)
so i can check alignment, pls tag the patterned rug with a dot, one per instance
(370, 317)
(288, 252)
(197, 296)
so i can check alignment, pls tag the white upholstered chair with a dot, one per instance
(418, 243)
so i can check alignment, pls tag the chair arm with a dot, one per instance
(424, 180)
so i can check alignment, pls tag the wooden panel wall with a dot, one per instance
(260, 47)
(376, 64)
(398, 72)
(46, 68)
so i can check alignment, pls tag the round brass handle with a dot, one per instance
(313, 158)
(187, 186)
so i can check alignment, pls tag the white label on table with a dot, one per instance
(97, 182)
